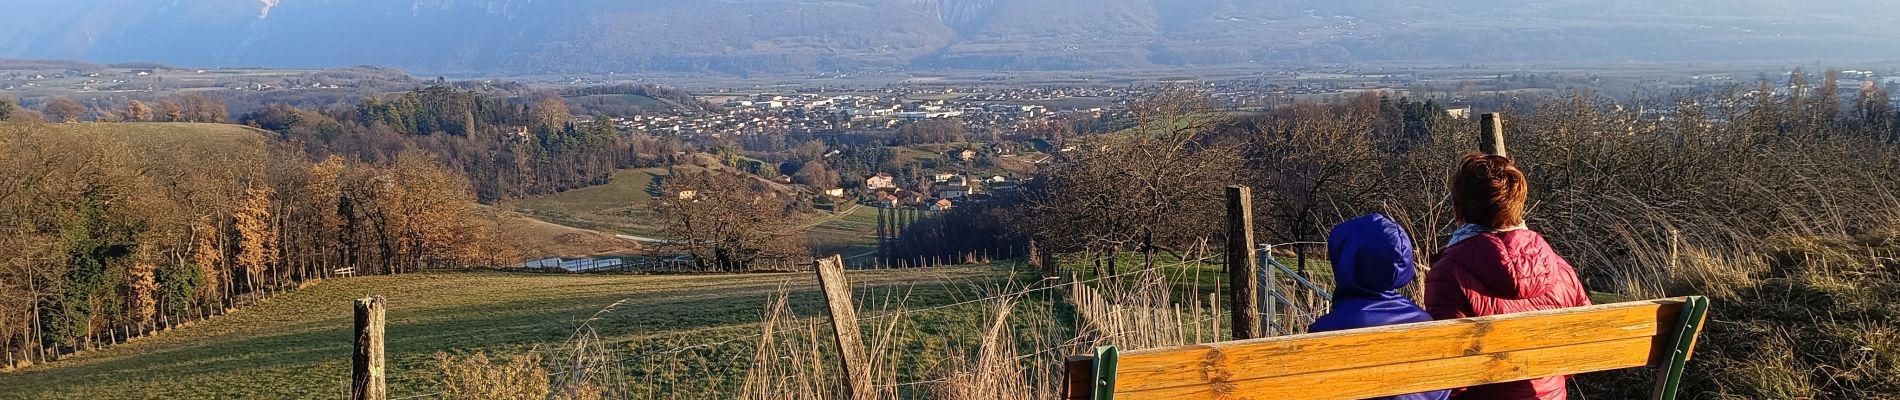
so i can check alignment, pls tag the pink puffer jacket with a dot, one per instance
(1502, 273)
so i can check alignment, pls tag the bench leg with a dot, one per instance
(1669, 379)
(1105, 360)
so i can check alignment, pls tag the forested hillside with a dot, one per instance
(507, 147)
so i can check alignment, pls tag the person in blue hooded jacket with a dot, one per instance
(1372, 259)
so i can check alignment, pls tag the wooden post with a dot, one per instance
(844, 325)
(1078, 378)
(1491, 135)
(1241, 266)
(366, 366)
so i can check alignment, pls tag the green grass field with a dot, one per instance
(850, 233)
(623, 205)
(297, 344)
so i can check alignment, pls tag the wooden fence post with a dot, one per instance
(366, 366)
(1241, 266)
(844, 326)
(1491, 134)
(1078, 378)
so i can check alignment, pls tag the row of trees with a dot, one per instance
(189, 107)
(1595, 163)
(508, 147)
(106, 238)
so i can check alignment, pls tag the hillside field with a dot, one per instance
(623, 205)
(297, 344)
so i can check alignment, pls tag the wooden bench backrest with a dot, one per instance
(1410, 358)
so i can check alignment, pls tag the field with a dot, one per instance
(540, 238)
(850, 233)
(297, 344)
(623, 205)
(194, 139)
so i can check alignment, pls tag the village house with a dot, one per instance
(1458, 113)
(953, 191)
(880, 181)
(962, 154)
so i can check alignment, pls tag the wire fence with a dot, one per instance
(1046, 284)
(1289, 305)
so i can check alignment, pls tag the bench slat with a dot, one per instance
(1423, 376)
(1372, 354)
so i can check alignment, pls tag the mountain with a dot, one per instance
(744, 36)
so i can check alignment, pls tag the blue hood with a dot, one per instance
(1372, 259)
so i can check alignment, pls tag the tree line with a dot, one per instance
(1751, 160)
(111, 235)
(509, 147)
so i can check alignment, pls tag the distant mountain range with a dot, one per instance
(749, 36)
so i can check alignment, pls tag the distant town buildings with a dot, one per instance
(1458, 113)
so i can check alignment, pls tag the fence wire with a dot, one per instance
(894, 314)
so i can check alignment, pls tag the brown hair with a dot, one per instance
(1489, 190)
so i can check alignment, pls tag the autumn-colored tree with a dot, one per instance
(324, 192)
(137, 111)
(170, 111)
(65, 109)
(257, 235)
(199, 107)
(141, 287)
(430, 211)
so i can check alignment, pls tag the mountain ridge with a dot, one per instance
(747, 36)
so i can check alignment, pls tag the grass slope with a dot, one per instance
(297, 344)
(624, 204)
(182, 140)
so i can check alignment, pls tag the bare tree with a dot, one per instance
(65, 109)
(727, 223)
(1153, 188)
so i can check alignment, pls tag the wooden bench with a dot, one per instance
(1409, 358)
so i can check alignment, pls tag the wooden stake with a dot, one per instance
(366, 366)
(1078, 378)
(844, 325)
(1241, 266)
(1491, 135)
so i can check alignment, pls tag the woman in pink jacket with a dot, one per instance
(1494, 265)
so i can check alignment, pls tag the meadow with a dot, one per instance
(297, 344)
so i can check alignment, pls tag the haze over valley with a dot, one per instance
(501, 37)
